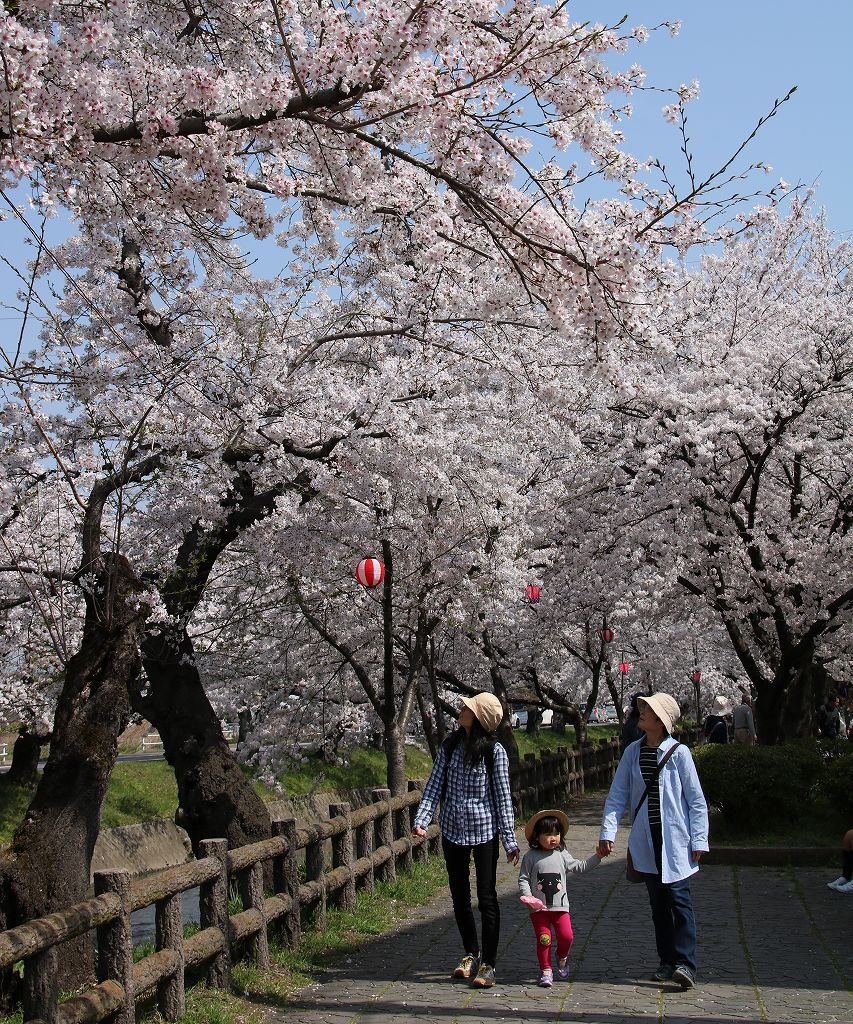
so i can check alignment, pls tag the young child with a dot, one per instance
(542, 884)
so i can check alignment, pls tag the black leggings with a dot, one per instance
(458, 860)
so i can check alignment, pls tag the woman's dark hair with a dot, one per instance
(478, 743)
(548, 826)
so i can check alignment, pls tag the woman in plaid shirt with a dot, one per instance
(471, 779)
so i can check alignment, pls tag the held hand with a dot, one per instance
(513, 857)
(532, 902)
(418, 831)
(604, 848)
(697, 856)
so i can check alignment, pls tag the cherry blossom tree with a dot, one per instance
(738, 461)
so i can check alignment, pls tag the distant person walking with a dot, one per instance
(471, 779)
(715, 729)
(829, 718)
(744, 722)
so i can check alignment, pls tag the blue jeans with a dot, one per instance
(675, 925)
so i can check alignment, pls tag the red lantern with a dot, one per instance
(697, 676)
(370, 572)
(607, 635)
(623, 667)
(533, 593)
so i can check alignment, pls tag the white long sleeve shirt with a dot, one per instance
(684, 812)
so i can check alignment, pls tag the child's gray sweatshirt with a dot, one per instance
(543, 874)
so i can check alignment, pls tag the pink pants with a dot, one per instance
(543, 921)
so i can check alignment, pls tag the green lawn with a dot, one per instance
(143, 790)
(364, 766)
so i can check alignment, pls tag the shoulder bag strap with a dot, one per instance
(665, 758)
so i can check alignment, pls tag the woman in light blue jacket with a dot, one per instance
(669, 833)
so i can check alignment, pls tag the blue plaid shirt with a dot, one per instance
(468, 814)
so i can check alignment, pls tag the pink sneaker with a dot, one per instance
(546, 978)
(563, 967)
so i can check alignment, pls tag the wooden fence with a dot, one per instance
(370, 843)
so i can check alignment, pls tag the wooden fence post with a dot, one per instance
(401, 830)
(562, 771)
(548, 781)
(419, 852)
(286, 881)
(213, 910)
(41, 986)
(342, 855)
(252, 893)
(115, 944)
(169, 934)
(364, 848)
(384, 836)
(580, 767)
(315, 867)
(531, 800)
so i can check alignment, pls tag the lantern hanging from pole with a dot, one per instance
(624, 667)
(697, 676)
(533, 593)
(370, 572)
(607, 635)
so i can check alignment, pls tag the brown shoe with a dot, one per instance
(467, 967)
(485, 977)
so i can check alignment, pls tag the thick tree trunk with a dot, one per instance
(26, 754)
(784, 707)
(534, 720)
(395, 753)
(47, 865)
(216, 800)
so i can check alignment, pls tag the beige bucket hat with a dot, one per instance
(721, 706)
(487, 710)
(665, 707)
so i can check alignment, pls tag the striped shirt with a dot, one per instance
(649, 771)
(468, 813)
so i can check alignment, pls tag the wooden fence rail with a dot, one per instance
(368, 844)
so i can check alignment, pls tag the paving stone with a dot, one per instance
(775, 947)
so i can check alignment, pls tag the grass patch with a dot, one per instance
(364, 767)
(140, 791)
(254, 991)
(547, 739)
(14, 801)
(209, 1006)
(375, 913)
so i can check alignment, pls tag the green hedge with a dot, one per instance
(837, 783)
(754, 786)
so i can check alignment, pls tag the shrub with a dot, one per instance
(755, 786)
(837, 784)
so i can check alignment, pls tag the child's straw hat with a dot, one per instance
(550, 812)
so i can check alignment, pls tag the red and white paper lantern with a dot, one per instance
(370, 572)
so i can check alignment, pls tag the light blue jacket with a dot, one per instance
(684, 812)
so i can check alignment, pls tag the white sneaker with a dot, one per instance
(847, 887)
(841, 880)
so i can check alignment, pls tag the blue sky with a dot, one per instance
(744, 54)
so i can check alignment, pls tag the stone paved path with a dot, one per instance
(775, 946)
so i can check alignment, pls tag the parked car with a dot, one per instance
(607, 713)
(518, 718)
